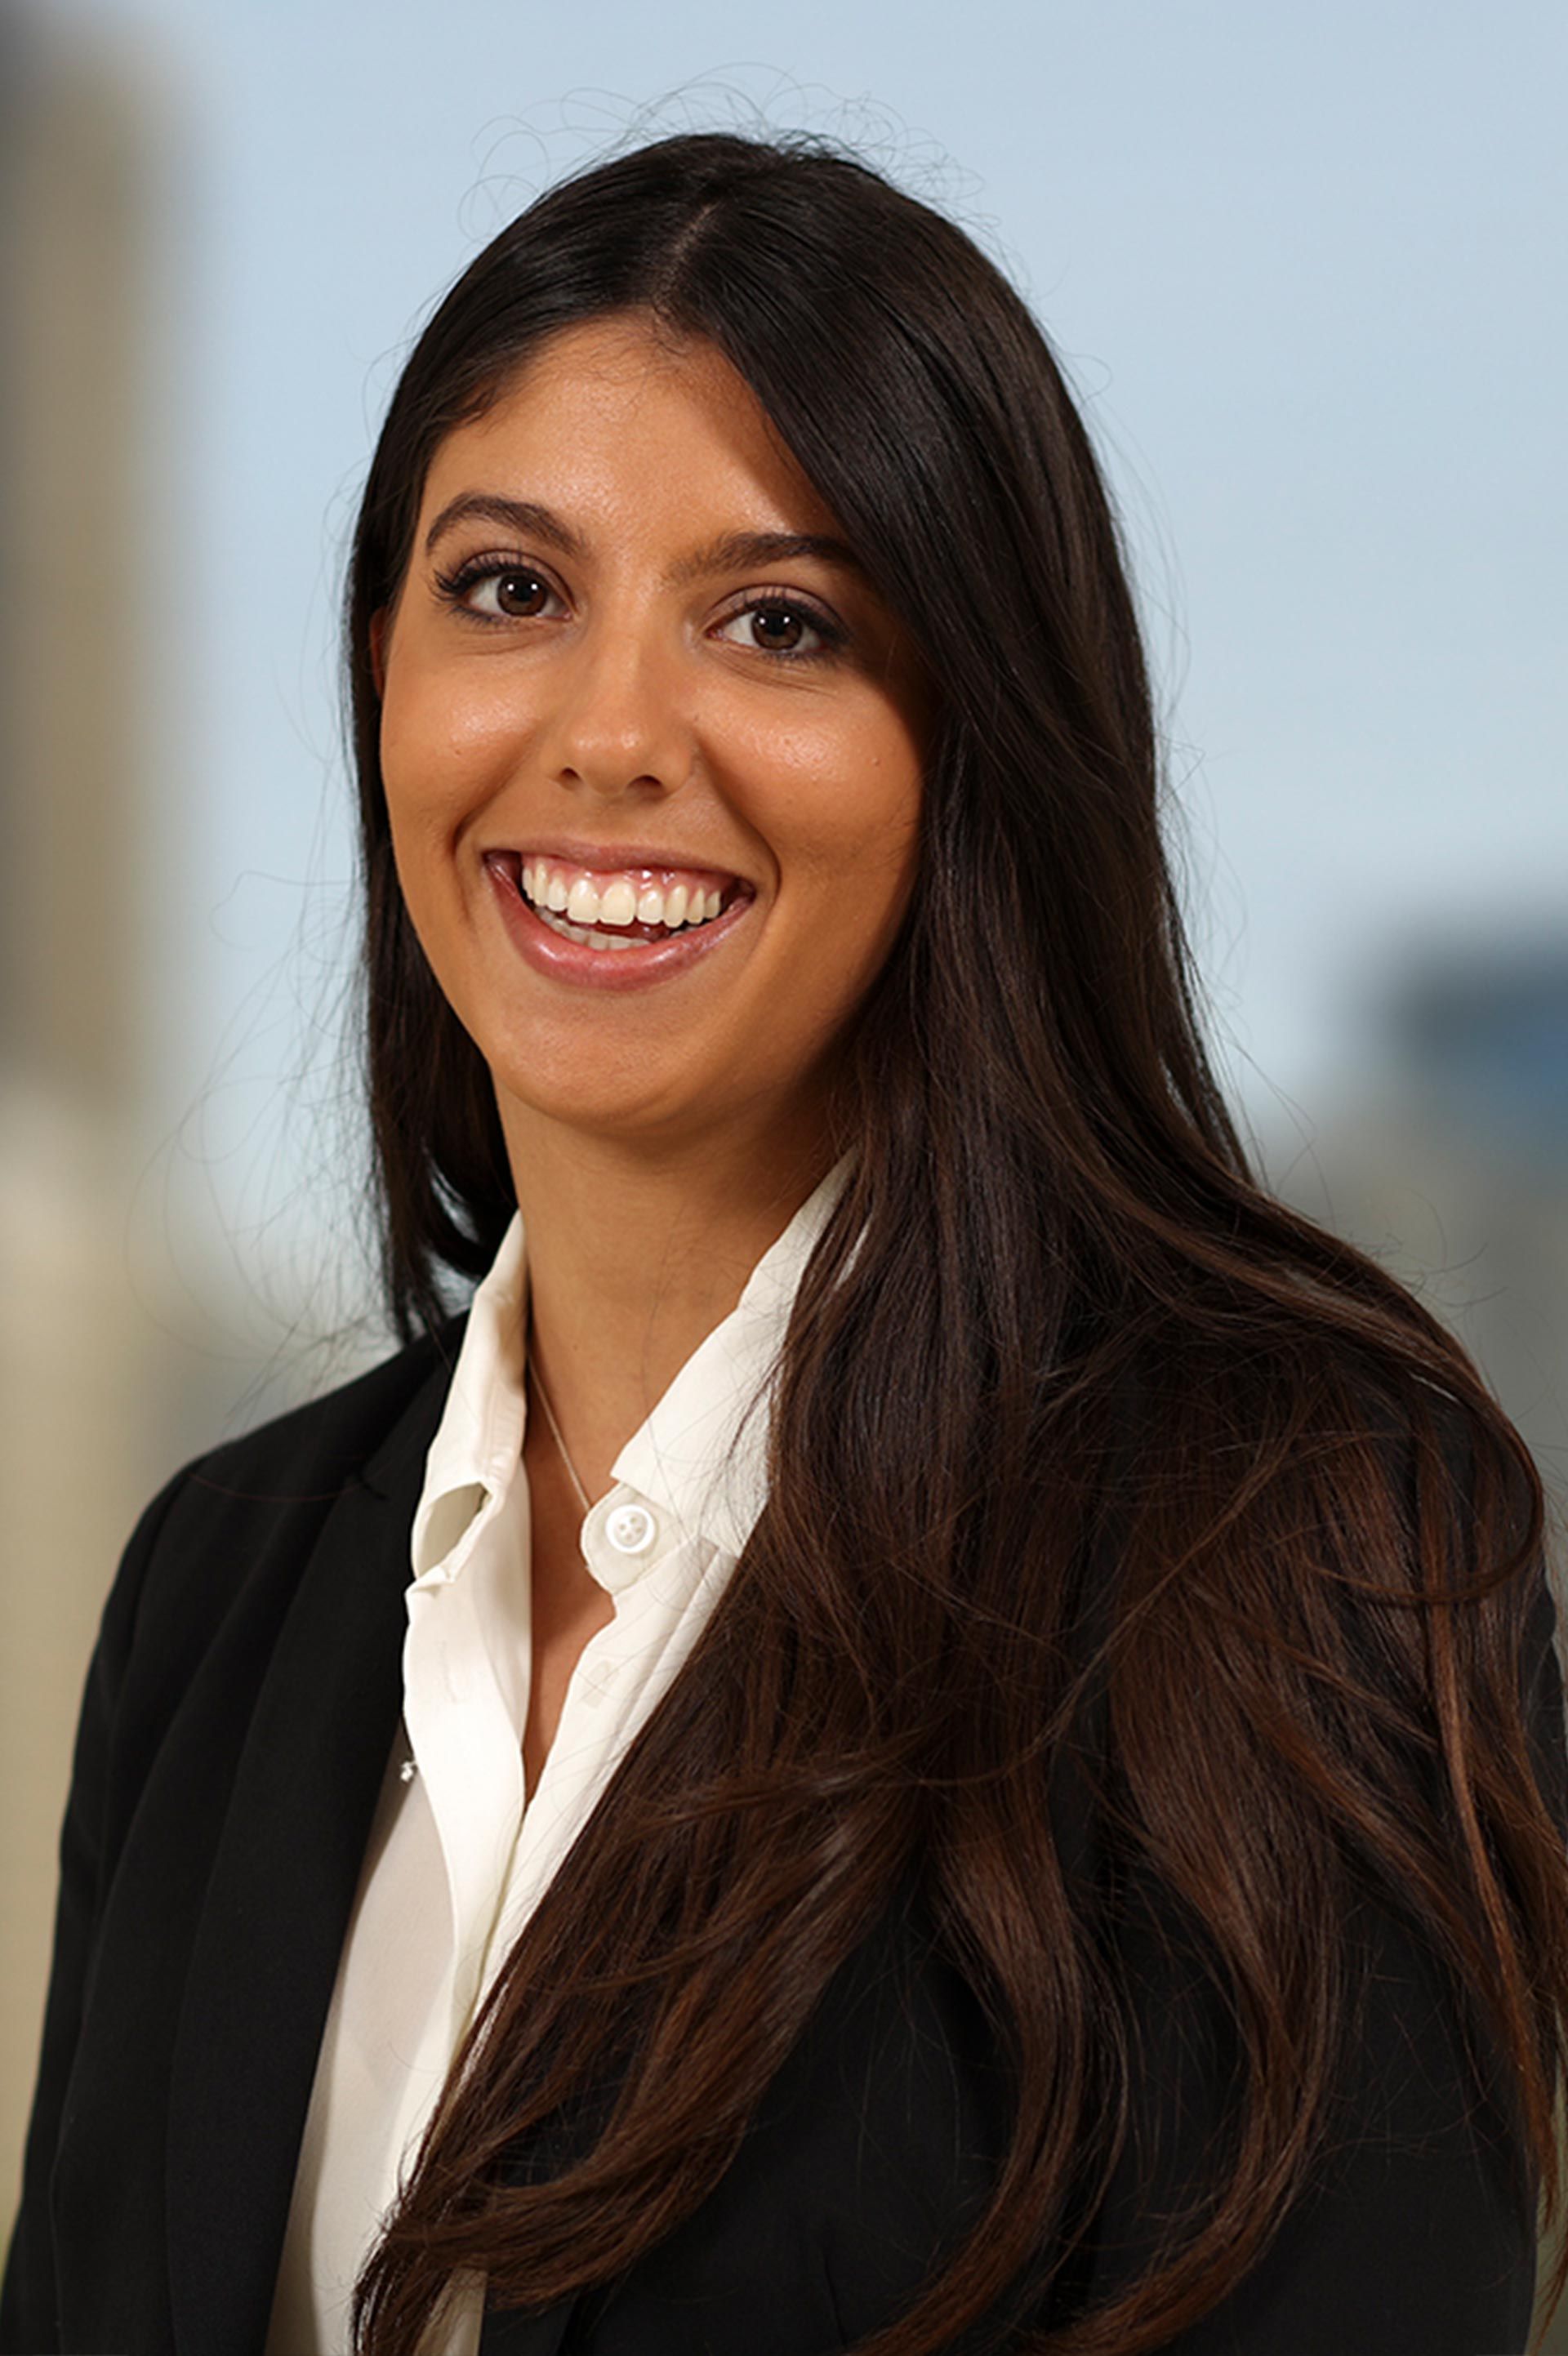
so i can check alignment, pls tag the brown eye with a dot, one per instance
(777, 628)
(784, 627)
(519, 592)
(493, 589)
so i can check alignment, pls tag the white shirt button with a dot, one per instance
(623, 1538)
(630, 1529)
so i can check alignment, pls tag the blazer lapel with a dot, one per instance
(276, 1909)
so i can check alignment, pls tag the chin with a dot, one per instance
(606, 1107)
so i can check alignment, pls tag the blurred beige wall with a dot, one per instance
(90, 1395)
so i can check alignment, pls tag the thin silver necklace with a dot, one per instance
(566, 1451)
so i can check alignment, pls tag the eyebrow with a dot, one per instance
(745, 551)
(732, 552)
(523, 515)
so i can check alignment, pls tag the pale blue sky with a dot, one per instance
(1306, 265)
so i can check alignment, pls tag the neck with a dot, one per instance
(633, 1258)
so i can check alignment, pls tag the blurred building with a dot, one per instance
(1483, 1038)
(1450, 1163)
(87, 1397)
(122, 1353)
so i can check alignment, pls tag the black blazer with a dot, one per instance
(239, 1711)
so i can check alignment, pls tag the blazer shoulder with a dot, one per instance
(254, 1505)
(234, 1530)
(313, 1450)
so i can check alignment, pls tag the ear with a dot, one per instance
(378, 649)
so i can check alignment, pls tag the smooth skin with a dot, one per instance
(602, 671)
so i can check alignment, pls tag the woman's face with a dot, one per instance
(632, 677)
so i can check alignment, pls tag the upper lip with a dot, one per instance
(606, 858)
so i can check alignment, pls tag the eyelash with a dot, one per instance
(454, 588)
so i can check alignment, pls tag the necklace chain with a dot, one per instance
(561, 1444)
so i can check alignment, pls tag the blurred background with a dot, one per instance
(1305, 268)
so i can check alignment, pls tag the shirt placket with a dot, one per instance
(470, 1759)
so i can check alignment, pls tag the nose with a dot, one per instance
(616, 728)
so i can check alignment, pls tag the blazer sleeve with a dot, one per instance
(29, 2308)
(1417, 2236)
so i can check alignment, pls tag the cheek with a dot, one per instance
(428, 789)
(854, 827)
(849, 869)
(419, 832)
(445, 748)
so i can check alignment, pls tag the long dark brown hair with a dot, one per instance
(1054, 1321)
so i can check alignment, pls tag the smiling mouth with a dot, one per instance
(621, 908)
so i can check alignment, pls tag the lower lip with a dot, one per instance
(635, 968)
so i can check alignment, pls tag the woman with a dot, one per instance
(973, 1756)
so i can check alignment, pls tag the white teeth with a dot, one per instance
(589, 939)
(621, 902)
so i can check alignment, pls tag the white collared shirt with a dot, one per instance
(459, 1855)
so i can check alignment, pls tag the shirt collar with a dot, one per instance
(478, 1441)
(702, 1454)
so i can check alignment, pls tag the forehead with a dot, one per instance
(622, 410)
